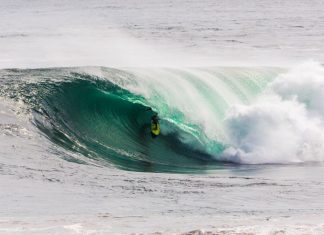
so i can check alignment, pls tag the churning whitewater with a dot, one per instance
(211, 118)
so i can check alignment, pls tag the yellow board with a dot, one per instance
(155, 128)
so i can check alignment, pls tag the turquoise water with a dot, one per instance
(105, 117)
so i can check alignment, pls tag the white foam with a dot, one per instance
(286, 124)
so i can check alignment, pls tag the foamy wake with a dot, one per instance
(284, 125)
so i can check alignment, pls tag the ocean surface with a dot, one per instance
(238, 87)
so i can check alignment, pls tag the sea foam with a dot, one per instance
(285, 124)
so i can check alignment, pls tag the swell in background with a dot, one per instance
(159, 33)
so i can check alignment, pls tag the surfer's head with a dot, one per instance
(154, 118)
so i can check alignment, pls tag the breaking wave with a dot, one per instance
(210, 117)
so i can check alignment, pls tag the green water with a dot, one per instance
(103, 118)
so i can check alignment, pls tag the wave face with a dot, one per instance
(102, 113)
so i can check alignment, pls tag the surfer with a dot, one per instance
(155, 125)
